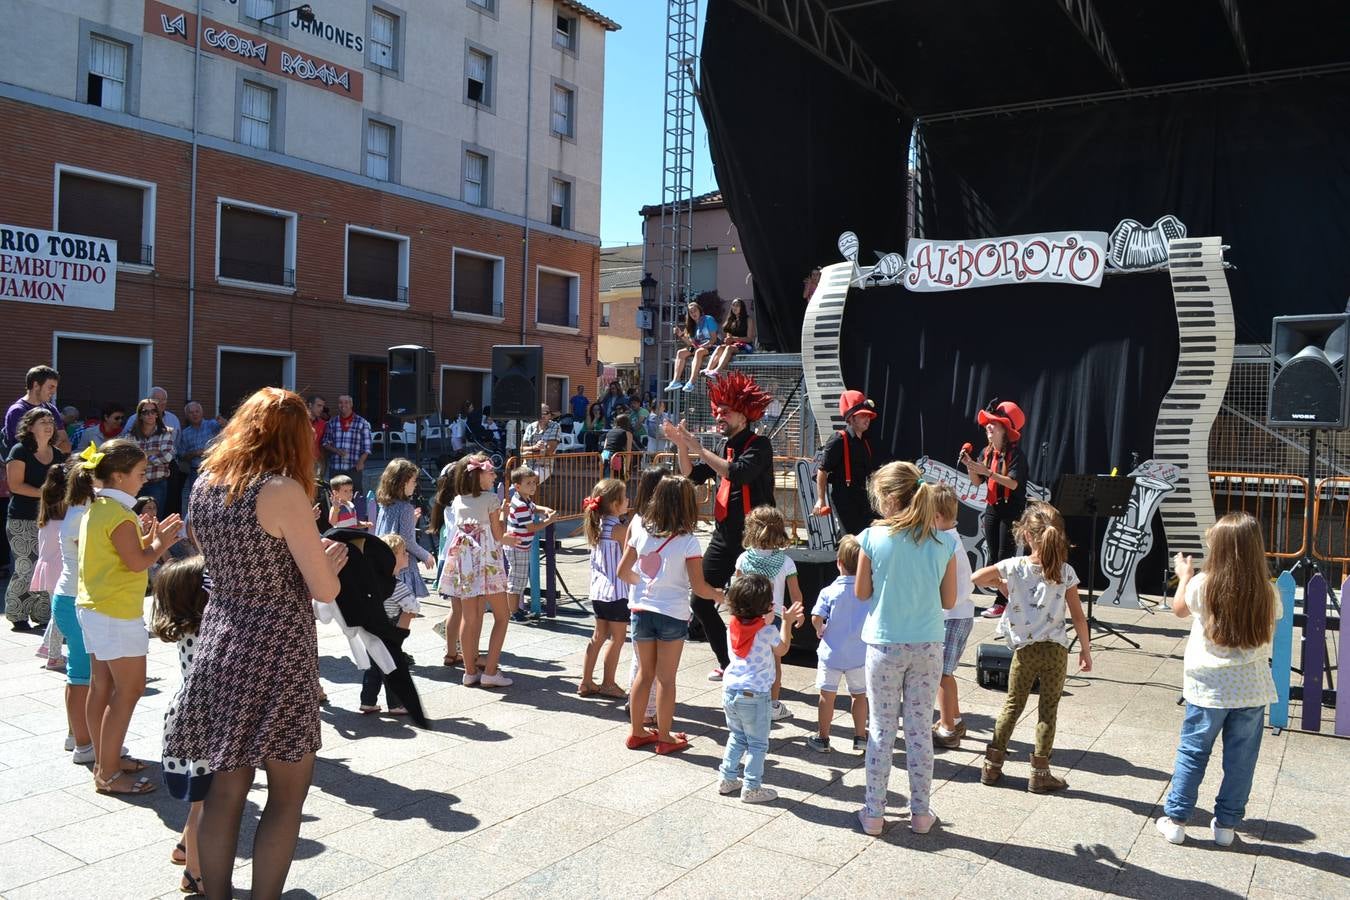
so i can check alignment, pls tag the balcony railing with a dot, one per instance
(256, 272)
(136, 254)
(377, 290)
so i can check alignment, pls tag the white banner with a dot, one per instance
(56, 268)
(1066, 257)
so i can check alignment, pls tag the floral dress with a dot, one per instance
(474, 564)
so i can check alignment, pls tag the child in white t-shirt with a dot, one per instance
(756, 647)
(765, 538)
(666, 563)
(958, 621)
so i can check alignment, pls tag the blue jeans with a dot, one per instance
(160, 491)
(1241, 729)
(748, 721)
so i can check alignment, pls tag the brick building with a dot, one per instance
(620, 339)
(420, 173)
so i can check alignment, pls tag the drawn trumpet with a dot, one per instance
(1129, 539)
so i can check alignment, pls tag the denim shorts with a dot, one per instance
(654, 626)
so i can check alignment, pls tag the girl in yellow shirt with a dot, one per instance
(115, 553)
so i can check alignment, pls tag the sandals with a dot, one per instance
(140, 785)
(139, 766)
(191, 885)
(397, 711)
(636, 742)
(681, 742)
(173, 857)
(369, 710)
(612, 690)
(452, 659)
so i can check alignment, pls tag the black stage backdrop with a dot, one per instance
(802, 154)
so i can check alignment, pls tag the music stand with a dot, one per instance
(1092, 496)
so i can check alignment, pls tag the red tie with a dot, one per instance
(723, 493)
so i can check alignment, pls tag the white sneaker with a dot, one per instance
(758, 795)
(715, 675)
(780, 712)
(498, 680)
(725, 787)
(1174, 832)
(1222, 836)
(470, 679)
(83, 755)
(70, 742)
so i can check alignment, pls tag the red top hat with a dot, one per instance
(1007, 414)
(853, 403)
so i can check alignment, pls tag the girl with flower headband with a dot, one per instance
(475, 571)
(602, 514)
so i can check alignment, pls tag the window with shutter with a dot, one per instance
(488, 5)
(373, 267)
(560, 203)
(562, 111)
(383, 39)
(105, 209)
(478, 76)
(253, 246)
(555, 299)
(565, 32)
(379, 149)
(475, 287)
(475, 178)
(259, 9)
(255, 116)
(107, 83)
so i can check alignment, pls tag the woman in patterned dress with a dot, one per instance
(252, 697)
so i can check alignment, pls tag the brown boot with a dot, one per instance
(1042, 782)
(993, 766)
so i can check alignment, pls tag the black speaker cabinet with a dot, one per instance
(517, 381)
(1307, 371)
(412, 382)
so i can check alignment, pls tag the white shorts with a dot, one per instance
(107, 638)
(828, 679)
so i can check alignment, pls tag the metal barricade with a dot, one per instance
(1331, 521)
(1276, 501)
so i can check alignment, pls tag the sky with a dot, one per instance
(635, 118)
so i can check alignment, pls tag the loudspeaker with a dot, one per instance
(993, 668)
(412, 382)
(517, 381)
(1308, 371)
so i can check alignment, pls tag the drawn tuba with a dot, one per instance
(1128, 539)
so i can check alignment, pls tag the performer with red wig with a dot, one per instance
(745, 480)
(1001, 470)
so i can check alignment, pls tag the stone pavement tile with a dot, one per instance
(427, 773)
(599, 871)
(549, 832)
(512, 791)
(1311, 872)
(750, 872)
(143, 872)
(1064, 823)
(137, 824)
(43, 812)
(488, 756)
(47, 719)
(578, 725)
(401, 835)
(49, 773)
(970, 831)
(691, 831)
(387, 744)
(322, 817)
(1043, 872)
(644, 788)
(821, 829)
(10, 732)
(1198, 867)
(1306, 770)
(886, 871)
(602, 754)
(29, 860)
(450, 871)
(320, 875)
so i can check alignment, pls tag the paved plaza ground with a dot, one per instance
(529, 792)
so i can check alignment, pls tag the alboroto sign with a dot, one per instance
(56, 268)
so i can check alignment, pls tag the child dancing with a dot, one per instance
(602, 520)
(756, 648)
(1226, 673)
(1038, 587)
(838, 618)
(765, 538)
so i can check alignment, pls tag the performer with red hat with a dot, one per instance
(1001, 470)
(845, 463)
(744, 473)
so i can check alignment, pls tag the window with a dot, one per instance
(255, 244)
(564, 106)
(108, 206)
(605, 309)
(565, 32)
(560, 203)
(379, 150)
(478, 77)
(377, 266)
(477, 284)
(383, 39)
(240, 371)
(102, 369)
(475, 178)
(557, 296)
(256, 104)
(488, 6)
(107, 79)
(258, 9)
(556, 393)
(459, 385)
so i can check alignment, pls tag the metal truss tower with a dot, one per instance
(677, 177)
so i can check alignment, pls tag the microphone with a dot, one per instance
(966, 448)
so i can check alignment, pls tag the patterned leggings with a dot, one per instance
(1048, 661)
(901, 675)
(22, 604)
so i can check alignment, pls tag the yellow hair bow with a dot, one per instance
(91, 456)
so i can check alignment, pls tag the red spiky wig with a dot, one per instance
(740, 392)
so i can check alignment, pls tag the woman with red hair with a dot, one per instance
(251, 699)
(1001, 470)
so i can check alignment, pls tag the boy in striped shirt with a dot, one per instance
(521, 523)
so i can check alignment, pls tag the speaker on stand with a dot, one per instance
(412, 383)
(517, 383)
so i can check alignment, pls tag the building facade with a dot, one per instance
(291, 196)
(619, 337)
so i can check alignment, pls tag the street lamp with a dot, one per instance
(651, 306)
(648, 285)
(304, 12)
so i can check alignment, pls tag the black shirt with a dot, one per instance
(752, 468)
(34, 474)
(616, 439)
(862, 461)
